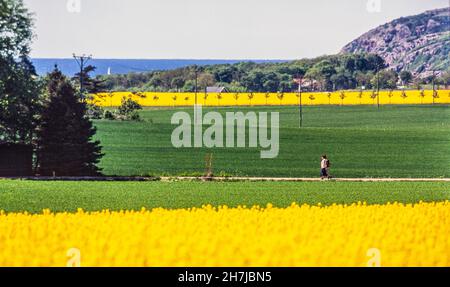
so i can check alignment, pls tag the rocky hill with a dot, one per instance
(419, 43)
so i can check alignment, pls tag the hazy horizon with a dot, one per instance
(208, 29)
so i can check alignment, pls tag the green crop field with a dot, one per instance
(362, 141)
(33, 196)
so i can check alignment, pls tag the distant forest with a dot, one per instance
(326, 73)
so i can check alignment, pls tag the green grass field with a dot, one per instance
(58, 196)
(362, 141)
(396, 141)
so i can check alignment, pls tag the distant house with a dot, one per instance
(217, 90)
(310, 85)
(16, 160)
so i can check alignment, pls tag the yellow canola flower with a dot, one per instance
(159, 99)
(337, 235)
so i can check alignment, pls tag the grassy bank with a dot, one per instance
(34, 196)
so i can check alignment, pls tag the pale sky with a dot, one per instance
(209, 29)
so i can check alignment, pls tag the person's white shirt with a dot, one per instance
(323, 164)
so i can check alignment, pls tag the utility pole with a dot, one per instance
(82, 61)
(196, 83)
(300, 102)
(434, 84)
(378, 86)
(196, 119)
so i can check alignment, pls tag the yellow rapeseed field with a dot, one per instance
(156, 99)
(337, 235)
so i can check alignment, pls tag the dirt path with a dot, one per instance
(276, 179)
(286, 179)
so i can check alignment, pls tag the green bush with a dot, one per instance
(128, 107)
(108, 115)
(94, 112)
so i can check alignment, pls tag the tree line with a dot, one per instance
(326, 73)
(47, 113)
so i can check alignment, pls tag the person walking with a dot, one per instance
(325, 167)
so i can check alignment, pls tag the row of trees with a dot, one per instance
(327, 73)
(18, 87)
(46, 113)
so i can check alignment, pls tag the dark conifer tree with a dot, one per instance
(90, 85)
(65, 145)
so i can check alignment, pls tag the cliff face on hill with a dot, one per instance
(419, 43)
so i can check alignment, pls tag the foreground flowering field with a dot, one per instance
(157, 99)
(337, 235)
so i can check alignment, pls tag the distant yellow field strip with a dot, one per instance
(156, 99)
